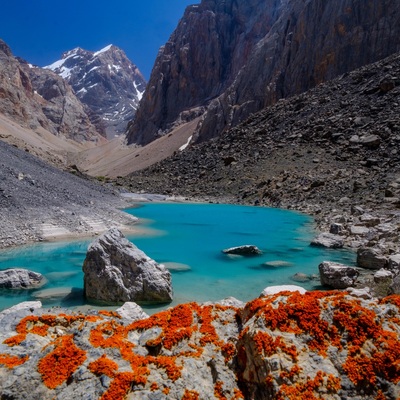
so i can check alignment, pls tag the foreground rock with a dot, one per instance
(287, 345)
(337, 276)
(328, 240)
(117, 271)
(245, 250)
(19, 278)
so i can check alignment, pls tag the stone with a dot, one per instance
(20, 278)
(116, 271)
(245, 250)
(357, 230)
(336, 229)
(370, 220)
(370, 141)
(383, 276)
(394, 261)
(337, 276)
(364, 293)
(270, 290)
(370, 258)
(26, 305)
(328, 240)
(300, 277)
(132, 312)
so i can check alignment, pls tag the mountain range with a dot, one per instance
(106, 82)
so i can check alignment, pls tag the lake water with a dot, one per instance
(189, 239)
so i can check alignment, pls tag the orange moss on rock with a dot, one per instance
(120, 386)
(190, 395)
(61, 363)
(103, 366)
(12, 361)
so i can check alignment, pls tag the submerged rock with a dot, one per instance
(337, 276)
(19, 278)
(116, 271)
(245, 250)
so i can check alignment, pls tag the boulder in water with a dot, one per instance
(245, 250)
(328, 240)
(116, 271)
(20, 278)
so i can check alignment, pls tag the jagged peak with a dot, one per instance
(105, 49)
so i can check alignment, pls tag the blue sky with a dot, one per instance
(41, 30)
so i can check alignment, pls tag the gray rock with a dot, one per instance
(370, 220)
(370, 141)
(26, 305)
(337, 276)
(300, 277)
(245, 250)
(357, 230)
(394, 261)
(364, 293)
(328, 240)
(282, 288)
(336, 229)
(383, 276)
(131, 311)
(116, 271)
(19, 278)
(370, 258)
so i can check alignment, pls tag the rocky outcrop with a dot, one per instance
(116, 271)
(245, 250)
(19, 278)
(107, 82)
(328, 240)
(232, 59)
(286, 345)
(39, 99)
(337, 276)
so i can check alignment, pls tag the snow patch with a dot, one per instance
(186, 144)
(102, 50)
(139, 93)
(83, 91)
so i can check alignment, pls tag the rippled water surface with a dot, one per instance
(189, 239)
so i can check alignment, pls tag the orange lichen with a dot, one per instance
(190, 395)
(218, 391)
(265, 344)
(120, 386)
(154, 386)
(112, 314)
(309, 389)
(12, 361)
(229, 351)
(103, 366)
(60, 364)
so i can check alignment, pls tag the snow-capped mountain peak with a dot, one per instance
(106, 81)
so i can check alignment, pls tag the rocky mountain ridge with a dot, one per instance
(106, 82)
(40, 99)
(226, 59)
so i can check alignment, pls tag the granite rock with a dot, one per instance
(116, 271)
(20, 278)
(337, 276)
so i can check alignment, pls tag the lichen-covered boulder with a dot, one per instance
(287, 345)
(20, 278)
(116, 271)
(337, 276)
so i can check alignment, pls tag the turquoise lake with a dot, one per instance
(190, 238)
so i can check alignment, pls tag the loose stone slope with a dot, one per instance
(319, 345)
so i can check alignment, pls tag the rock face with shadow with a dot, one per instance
(228, 59)
(116, 271)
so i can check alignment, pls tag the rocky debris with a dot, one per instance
(312, 345)
(371, 258)
(46, 199)
(232, 41)
(353, 185)
(107, 82)
(116, 271)
(39, 99)
(245, 250)
(328, 240)
(20, 278)
(337, 276)
(394, 262)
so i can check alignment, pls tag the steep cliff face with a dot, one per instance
(36, 98)
(106, 82)
(227, 59)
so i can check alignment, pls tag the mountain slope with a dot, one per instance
(38, 99)
(228, 59)
(106, 82)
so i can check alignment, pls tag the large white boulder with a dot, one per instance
(337, 276)
(116, 271)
